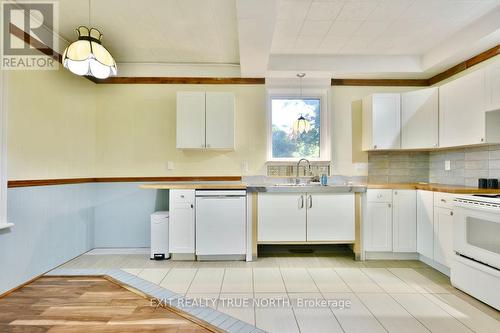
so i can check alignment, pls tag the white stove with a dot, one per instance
(476, 241)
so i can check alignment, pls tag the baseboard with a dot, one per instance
(391, 256)
(220, 257)
(183, 256)
(119, 250)
(437, 266)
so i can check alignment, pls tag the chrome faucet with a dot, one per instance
(297, 180)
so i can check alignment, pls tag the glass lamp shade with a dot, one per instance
(301, 125)
(87, 56)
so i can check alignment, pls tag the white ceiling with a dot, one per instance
(374, 27)
(278, 38)
(158, 31)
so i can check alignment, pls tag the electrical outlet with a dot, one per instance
(170, 165)
(447, 165)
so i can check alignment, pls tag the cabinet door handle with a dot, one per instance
(442, 200)
(301, 202)
(375, 147)
(395, 192)
(389, 205)
(451, 213)
(192, 206)
(310, 201)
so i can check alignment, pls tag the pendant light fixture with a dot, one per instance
(87, 56)
(301, 125)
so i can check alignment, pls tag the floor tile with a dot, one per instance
(237, 280)
(134, 271)
(388, 281)
(316, 320)
(207, 280)
(238, 305)
(467, 314)
(298, 280)
(430, 314)
(417, 281)
(267, 280)
(274, 319)
(390, 313)
(327, 280)
(178, 280)
(354, 318)
(154, 275)
(357, 280)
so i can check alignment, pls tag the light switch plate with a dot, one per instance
(244, 167)
(447, 165)
(170, 165)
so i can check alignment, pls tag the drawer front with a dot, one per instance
(444, 200)
(182, 196)
(379, 195)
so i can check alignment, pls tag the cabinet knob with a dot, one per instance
(482, 139)
(395, 192)
(375, 147)
(389, 205)
(182, 196)
(451, 213)
(192, 206)
(435, 145)
(442, 200)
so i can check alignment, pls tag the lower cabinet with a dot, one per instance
(425, 223)
(404, 221)
(378, 227)
(282, 217)
(181, 236)
(390, 221)
(443, 236)
(306, 217)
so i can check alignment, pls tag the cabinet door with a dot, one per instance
(493, 86)
(443, 236)
(220, 120)
(281, 217)
(404, 221)
(330, 217)
(462, 111)
(182, 221)
(191, 120)
(386, 119)
(378, 227)
(425, 223)
(420, 119)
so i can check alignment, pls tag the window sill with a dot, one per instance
(294, 161)
(6, 225)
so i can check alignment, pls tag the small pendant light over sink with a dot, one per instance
(87, 56)
(301, 125)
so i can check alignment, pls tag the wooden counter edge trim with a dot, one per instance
(67, 181)
(453, 189)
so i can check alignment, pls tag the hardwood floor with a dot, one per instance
(85, 304)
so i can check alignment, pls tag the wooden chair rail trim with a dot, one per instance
(67, 181)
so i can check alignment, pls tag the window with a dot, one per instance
(285, 144)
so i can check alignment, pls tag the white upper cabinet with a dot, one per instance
(220, 120)
(492, 73)
(205, 120)
(404, 221)
(382, 121)
(191, 120)
(420, 119)
(462, 111)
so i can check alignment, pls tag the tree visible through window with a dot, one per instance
(286, 143)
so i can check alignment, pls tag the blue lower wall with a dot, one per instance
(122, 213)
(53, 224)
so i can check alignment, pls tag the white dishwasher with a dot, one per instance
(220, 224)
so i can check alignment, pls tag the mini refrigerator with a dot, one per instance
(159, 236)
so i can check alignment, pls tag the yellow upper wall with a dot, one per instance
(51, 125)
(63, 126)
(136, 131)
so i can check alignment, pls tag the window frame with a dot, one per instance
(324, 141)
